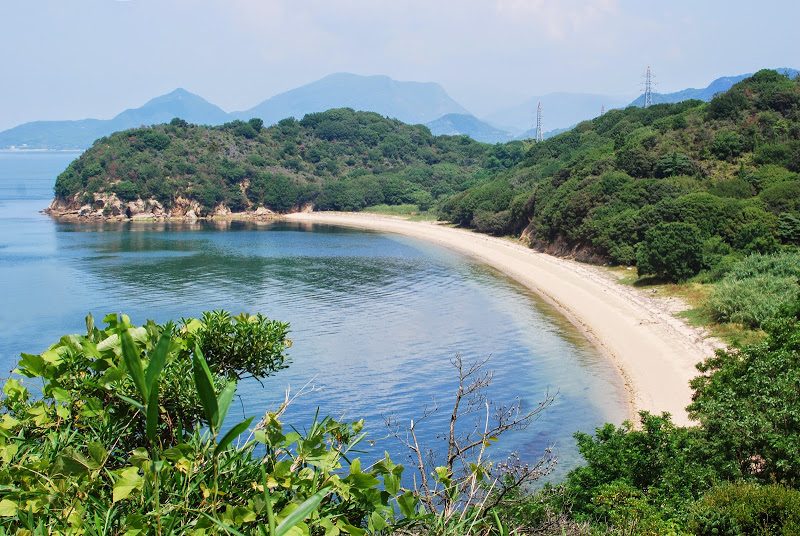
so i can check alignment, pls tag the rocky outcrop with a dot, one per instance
(109, 207)
(560, 247)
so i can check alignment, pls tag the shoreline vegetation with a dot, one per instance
(127, 428)
(654, 351)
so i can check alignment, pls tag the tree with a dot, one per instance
(747, 400)
(671, 251)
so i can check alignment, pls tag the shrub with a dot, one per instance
(674, 164)
(671, 251)
(746, 400)
(128, 437)
(789, 228)
(742, 508)
(779, 265)
(752, 301)
(727, 145)
(126, 190)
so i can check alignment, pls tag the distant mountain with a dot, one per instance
(178, 103)
(410, 102)
(559, 111)
(80, 134)
(705, 94)
(469, 125)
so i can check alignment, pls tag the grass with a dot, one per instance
(408, 211)
(695, 295)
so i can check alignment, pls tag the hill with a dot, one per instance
(80, 134)
(720, 178)
(410, 102)
(338, 160)
(720, 85)
(467, 125)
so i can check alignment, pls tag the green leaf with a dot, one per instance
(134, 365)
(204, 382)
(8, 508)
(408, 504)
(232, 434)
(301, 512)
(31, 365)
(377, 523)
(71, 463)
(151, 422)
(128, 479)
(224, 401)
(353, 531)
(158, 357)
(132, 402)
(97, 451)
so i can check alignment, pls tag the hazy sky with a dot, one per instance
(64, 59)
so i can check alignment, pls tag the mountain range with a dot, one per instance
(411, 102)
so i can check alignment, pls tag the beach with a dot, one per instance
(654, 352)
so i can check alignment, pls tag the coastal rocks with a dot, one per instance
(108, 207)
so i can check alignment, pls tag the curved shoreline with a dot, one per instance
(654, 352)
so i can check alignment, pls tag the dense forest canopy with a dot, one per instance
(718, 177)
(337, 160)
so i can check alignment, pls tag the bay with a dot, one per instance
(375, 318)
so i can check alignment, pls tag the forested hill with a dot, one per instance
(719, 177)
(335, 160)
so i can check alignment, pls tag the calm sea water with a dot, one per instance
(375, 317)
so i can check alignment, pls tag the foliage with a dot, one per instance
(739, 509)
(660, 464)
(718, 477)
(671, 251)
(726, 167)
(747, 400)
(756, 289)
(338, 160)
(129, 434)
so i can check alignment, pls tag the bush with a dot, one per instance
(752, 301)
(789, 228)
(126, 190)
(739, 509)
(674, 164)
(779, 265)
(671, 251)
(658, 463)
(746, 401)
(129, 436)
(727, 145)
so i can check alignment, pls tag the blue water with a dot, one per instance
(375, 318)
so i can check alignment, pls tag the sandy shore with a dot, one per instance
(654, 352)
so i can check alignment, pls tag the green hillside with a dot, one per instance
(715, 179)
(337, 160)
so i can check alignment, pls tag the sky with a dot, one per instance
(71, 59)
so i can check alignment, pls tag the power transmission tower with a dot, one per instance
(649, 83)
(602, 109)
(539, 133)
